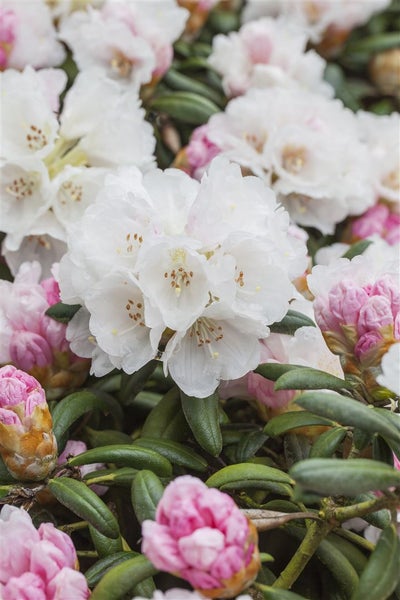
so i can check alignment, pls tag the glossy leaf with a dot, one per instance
(146, 492)
(62, 312)
(87, 505)
(185, 106)
(291, 322)
(176, 453)
(241, 473)
(125, 455)
(292, 420)
(347, 411)
(328, 442)
(307, 378)
(100, 568)
(330, 476)
(72, 407)
(167, 420)
(202, 415)
(123, 578)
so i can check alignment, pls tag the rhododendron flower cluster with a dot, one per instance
(30, 339)
(27, 443)
(180, 594)
(129, 41)
(37, 564)
(200, 535)
(318, 17)
(357, 307)
(282, 135)
(199, 268)
(28, 36)
(265, 53)
(46, 182)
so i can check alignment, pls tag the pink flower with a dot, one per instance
(378, 220)
(27, 443)
(30, 339)
(200, 535)
(200, 151)
(37, 564)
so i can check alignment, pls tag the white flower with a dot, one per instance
(181, 594)
(390, 377)
(31, 35)
(316, 16)
(129, 41)
(29, 125)
(305, 146)
(25, 196)
(109, 121)
(265, 53)
(41, 248)
(381, 133)
(147, 272)
(218, 345)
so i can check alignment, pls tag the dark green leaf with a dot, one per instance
(123, 578)
(146, 493)
(72, 407)
(293, 420)
(185, 106)
(307, 378)
(291, 322)
(62, 312)
(202, 415)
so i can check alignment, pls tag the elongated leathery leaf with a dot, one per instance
(202, 415)
(125, 455)
(331, 476)
(82, 501)
(307, 378)
(347, 411)
(72, 407)
(123, 578)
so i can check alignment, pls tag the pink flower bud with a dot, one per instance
(374, 314)
(52, 290)
(200, 151)
(200, 535)
(37, 564)
(27, 443)
(371, 222)
(346, 300)
(366, 344)
(28, 349)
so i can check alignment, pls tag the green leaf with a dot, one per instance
(186, 107)
(331, 476)
(176, 453)
(5, 475)
(273, 371)
(123, 578)
(62, 312)
(132, 384)
(241, 474)
(249, 444)
(125, 455)
(347, 411)
(202, 415)
(307, 378)
(357, 248)
(146, 493)
(106, 437)
(374, 43)
(72, 407)
(292, 420)
(167, 420)
(380, 518)
(82, 501)
(104, 545)
(382, 573)
(100, 568)
(327, 443)
(291, 322)
(178, 81)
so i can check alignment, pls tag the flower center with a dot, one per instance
(36, 139)
(135, 312)
(179, 277)
(121, 64)
(294, 158)
(392, 180)
(22, 187)
(207, 333)
(70, 192)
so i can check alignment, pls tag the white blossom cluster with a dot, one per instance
(191, 273)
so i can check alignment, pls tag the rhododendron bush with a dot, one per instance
(200, 300)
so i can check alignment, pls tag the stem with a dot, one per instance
(270, 519)
(314, 536)
(70, 527)
(355, 539)
(87, 553)
(344, 513)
